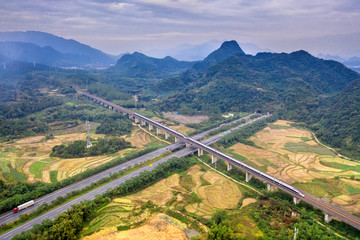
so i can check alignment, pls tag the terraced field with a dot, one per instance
(29, 158)
(292, 155)
(199, 191)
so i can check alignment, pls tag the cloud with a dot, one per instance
(120, 25)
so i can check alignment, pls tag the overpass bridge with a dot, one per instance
(329, 210)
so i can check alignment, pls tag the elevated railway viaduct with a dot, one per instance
(329, 210)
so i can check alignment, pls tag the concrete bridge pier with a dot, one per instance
(150, 127)
(123, 113)
(200, 152)
(143, 123)
(248, 177)
(131, 116)
(136, 120)
(188, 144)
(167, 135)
(176, 139)
(296, 200)
(228, 166)
(270, 187)
(110, 107)
(158, 131)
(328, 218)
(213, 159)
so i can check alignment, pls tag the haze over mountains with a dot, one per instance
(48, 49)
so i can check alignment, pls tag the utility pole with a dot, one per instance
(136, 100)
(295, 232)
(88, 139)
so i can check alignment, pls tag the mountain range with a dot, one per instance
(48, 49)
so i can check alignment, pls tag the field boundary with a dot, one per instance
(230, 178)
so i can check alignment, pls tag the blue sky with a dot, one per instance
(318, 26)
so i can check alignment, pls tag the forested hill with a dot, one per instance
(291, 82)
(338, 120)
(226, 50)
(141, 66)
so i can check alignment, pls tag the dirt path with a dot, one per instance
(26, 169)
(243, 184)
(46, 176)
(331, 149)
(148, 132)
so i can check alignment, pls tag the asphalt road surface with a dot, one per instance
(10, 216)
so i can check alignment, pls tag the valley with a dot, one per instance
(139, 192)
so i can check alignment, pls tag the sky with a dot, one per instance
(318, 26)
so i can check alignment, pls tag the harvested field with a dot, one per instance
(185, 119)
(183, 129)
(139, 138)
(29, 157)
(156, 228)
(248, 201)
(291, 155)
(204, 196)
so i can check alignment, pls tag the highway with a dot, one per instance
(10, 216)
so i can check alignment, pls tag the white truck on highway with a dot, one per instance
(23, 206)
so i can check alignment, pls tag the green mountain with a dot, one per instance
(138, 65)
(337, 120)
(291, 82)
(226, 50)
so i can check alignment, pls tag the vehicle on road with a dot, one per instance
(23, 206)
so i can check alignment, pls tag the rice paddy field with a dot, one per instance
(29, 159)
(294, 156)
(199, 191)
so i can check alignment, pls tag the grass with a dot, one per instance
(154, 144)
(186, 182)
(305, 139)
(266, 162)
(36, 168)
(341, 166)
(304, 147)
(204, 182)
(321, 187)
(274, 126)
(351, 189)
(53, 176)
(14, 175)
(235, 155)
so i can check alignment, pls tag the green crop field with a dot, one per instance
(304, 147)
(36, 168)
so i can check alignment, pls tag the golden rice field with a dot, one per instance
(213, 191)
(29, 158)
(292, 155)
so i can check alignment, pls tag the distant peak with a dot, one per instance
(231, 47)
(300, 53)
(230, 44)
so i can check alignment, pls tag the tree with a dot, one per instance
(219, 232)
